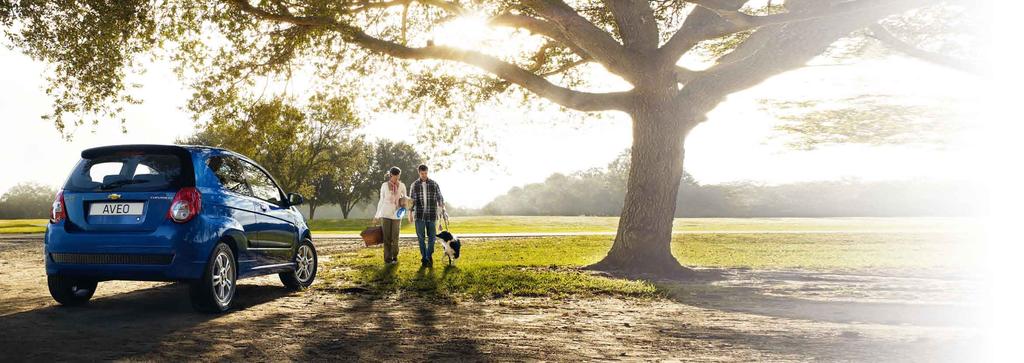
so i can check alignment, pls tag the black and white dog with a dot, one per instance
(451, 245)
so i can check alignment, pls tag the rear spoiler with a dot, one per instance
(156, 149)
(181, 152)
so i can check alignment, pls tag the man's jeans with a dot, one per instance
(427, 229)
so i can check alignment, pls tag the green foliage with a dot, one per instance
(362, 182)
(226, 54)
(400, 154)
(298, 146)
(342, 181)
(91, 45)
(27, 200)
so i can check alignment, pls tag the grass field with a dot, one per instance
(22, 225)
(512, 224)
(540, 224)
(550, 266)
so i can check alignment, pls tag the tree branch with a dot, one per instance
(597, 43)
(539, 27)
(449, 7)
(685, 75)
(701, 24)
(787, 47)
(636, 23)
(736, 21)
(879, 32)
(583, 101)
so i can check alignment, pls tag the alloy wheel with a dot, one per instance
(305, 263)
(223, 278)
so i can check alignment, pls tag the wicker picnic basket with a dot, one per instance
(372, 236)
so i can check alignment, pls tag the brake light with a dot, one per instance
(185, 206)
(58, 211)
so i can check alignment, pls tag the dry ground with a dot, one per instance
(750, 315)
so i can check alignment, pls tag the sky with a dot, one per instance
(737, 143)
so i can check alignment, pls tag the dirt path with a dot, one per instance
(748, 316)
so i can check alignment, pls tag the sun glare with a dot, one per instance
(466, 32)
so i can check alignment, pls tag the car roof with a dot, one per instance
(150, 147)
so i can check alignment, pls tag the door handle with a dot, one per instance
(263, 207)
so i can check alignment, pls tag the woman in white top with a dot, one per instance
(392, 196)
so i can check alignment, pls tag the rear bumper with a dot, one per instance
(172, 252)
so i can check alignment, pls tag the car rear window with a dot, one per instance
(127, 171)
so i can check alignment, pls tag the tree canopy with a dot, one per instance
(551, 49)
(296, 144)
(586, 55)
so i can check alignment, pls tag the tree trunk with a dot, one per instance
(643, 240)
(312, 210)
(345, 209)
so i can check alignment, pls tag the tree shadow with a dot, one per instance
(389, 325)
(821, 344)
(113, 327)
(716, 294)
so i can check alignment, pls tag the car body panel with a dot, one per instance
(224, 216)
(278, 234)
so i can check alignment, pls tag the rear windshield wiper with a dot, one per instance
(117, 183)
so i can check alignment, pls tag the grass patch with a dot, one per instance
(540, 224)
(528, 267)
(23, 225)
(829, 252)
(550, 266)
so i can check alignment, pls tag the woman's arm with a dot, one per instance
(380, 202)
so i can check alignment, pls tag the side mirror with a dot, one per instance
(295, 199)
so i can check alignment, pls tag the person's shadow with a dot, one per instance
(425, 280)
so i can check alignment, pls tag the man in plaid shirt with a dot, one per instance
(426, 201)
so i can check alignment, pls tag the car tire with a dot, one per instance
(305, 267)
(215, 291)
(70, 291)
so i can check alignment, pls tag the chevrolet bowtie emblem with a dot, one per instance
(114, 196)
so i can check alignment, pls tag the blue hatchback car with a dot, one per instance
(195, 214)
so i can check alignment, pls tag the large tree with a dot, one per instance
(223, 45)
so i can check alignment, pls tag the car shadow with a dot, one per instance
(114, 327)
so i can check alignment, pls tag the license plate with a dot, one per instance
(115, 209)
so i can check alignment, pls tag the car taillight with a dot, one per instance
(59, 211)
(186, 205)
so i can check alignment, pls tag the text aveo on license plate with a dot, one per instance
(115, 209)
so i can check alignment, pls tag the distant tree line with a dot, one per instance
(600, 192)
(27, 200)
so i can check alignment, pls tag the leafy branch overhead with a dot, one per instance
(225, 47)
